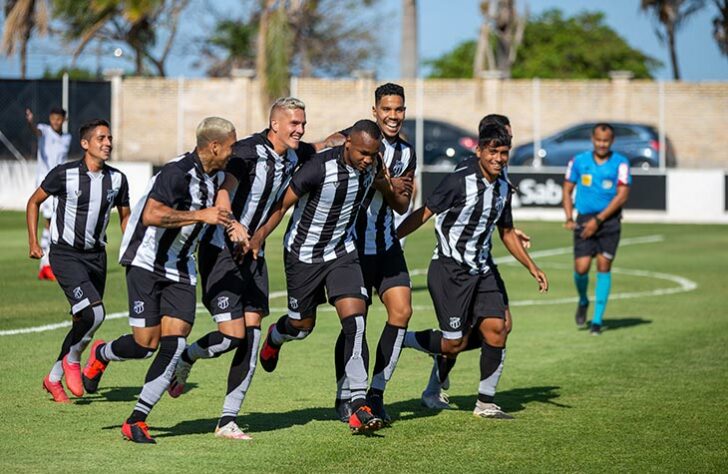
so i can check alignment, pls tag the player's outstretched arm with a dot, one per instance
(159, 215)
(31, 123)
(414, 221)
(31, 219)
(515, 247)
(276, 216)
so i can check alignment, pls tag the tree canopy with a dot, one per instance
(554, 46)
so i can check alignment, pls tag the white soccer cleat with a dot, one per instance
(490, 410)
(436, 400)
(231, 431)
(179, 379)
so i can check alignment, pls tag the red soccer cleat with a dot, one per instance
(269, 353)
(94, 369)
(56, 390)
(46, 273)
(137, 432)
(72, 372)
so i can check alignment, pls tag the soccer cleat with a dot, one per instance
(94, 369)
(343, 409)
(376, 403)
(436, 400)
(179, 379)
(231, 431)
(46, 273)
(490, 410)
(137, 432)
(72, 372)
(581, 315)
(363, 421)
(56, 390)
(269, 353)
(596, 330)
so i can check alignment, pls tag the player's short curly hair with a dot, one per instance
(388, 89)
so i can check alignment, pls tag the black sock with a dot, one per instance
(475, 340)
(356, 357)
(427, 341)
(81, 325)
(211, 345)
(444, 366)
(122, 348)
(240, 374)
(388, 351)
(491, 367)
(339, 365)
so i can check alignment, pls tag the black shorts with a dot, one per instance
(82, 275)
(308, 284)
(152, 296)
(230, 289)
(604, 241)
(384, 271)
(461, 298)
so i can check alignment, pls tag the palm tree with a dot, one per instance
(21, 17)
(671, 15)
(720, 26)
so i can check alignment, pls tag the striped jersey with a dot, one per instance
(82, 203)
(181, 184)
(331, 193)
(262, 177)
(52, 150)
(468, 210)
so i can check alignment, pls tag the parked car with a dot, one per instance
(445, 144)
(638, 142)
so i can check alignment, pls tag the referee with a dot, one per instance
(84, 192)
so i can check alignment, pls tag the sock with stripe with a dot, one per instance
(211, 345)
(283, 331)
(84, 325)
(45, 245)
(491, 368)
(427, 341)
(356, 358)
(389, 349)
(582, 283)
(604, 286)
(158, 376)
(342, 383)
(122, 348)
(242, 369)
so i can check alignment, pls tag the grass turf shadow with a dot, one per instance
(118, 394)
(621, 323)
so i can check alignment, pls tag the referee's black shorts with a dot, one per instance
(82, 275)
(603, 242)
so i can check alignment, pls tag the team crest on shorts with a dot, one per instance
(455, 322)
(223, 302)
(138, 307)
(293, 302)
(78, 293)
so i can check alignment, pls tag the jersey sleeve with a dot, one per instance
(506, 218)
(305, 152)
(122, 198)
(307, 177)
(43, 128)
(53, 182)
(412, 165)
(572, 171)
(624, 177)
(169, 186)
(445, 195)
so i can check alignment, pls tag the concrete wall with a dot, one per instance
(158, 116)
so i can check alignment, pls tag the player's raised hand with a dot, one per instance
(540, 277)
(214, 216)
(35, 251)
(524, 238)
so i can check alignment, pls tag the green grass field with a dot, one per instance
(648, 395)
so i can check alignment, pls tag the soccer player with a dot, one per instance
(236, 293)
(602, 179)
(158, 252)
(380, 254)
(320, 254)
(433, 396)
(53, 146)
(470, 203)
(85, 192)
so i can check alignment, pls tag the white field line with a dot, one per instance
(684, 285)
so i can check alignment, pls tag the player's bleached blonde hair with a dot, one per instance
(213, 129)
(286, 103)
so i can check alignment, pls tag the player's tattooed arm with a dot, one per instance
(31, 218)
(414, 221)
(159, 215)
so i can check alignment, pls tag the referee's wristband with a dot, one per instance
(599, 221)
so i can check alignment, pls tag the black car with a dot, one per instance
(638, 142)
(445, 144)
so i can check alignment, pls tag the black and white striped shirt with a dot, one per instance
(468, 209)
(375, 228)
(82, 202)
(181, 184)
(262, 177)
(331, 193)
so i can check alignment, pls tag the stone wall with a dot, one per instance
(158, 116)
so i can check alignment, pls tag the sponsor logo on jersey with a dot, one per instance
(586, 180)
(607, 184)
